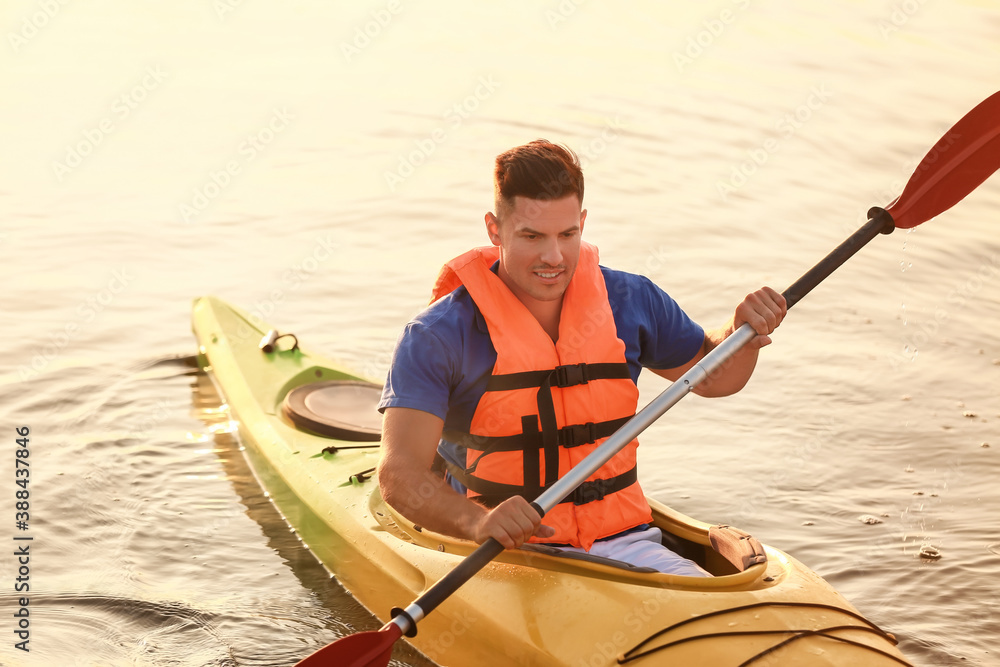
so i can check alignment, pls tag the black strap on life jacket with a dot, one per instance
(561, 376)
(573, 435)
(542, 431)
(492, 494)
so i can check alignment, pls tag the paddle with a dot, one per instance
(953, 168)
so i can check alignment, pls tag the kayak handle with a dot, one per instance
(269, 341)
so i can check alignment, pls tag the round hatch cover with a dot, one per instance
(340, 409)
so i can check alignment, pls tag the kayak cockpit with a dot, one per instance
(690, 538)
(342, 409)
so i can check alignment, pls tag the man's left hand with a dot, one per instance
(763, 310)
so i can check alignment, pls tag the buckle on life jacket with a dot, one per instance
(594, 490)
(493, 493)
(570, 375)
(578, 434)
(588, 492)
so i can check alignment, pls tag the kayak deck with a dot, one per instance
(528, 607)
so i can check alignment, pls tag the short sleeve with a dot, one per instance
(649, 319)
(421, 373)
(672, 338)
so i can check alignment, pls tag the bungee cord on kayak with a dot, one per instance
(825, 633)
(362, 477)
(635, 653)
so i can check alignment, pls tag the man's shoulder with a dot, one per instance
(624, 286)
(451, 315)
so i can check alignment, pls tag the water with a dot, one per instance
(282, 158)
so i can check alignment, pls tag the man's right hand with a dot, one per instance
(409, 440)
(511, 523)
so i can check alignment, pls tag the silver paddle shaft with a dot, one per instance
(642, 420)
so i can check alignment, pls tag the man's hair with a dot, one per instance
(537, 170)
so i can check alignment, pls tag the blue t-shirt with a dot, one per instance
(444, 357)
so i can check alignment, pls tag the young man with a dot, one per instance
(525, 362)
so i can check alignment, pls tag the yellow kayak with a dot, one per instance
(311, 433)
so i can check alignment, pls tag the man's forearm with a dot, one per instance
(427, 500)
(734, 373)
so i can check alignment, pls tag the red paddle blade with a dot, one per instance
(364, 649)
(961, 160)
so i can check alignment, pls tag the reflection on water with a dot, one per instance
(324, 591)
(725, 146)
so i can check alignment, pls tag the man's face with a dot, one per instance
(539, 246)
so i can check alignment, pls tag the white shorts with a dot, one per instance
(643, 548)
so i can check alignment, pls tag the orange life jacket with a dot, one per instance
(548, 405)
